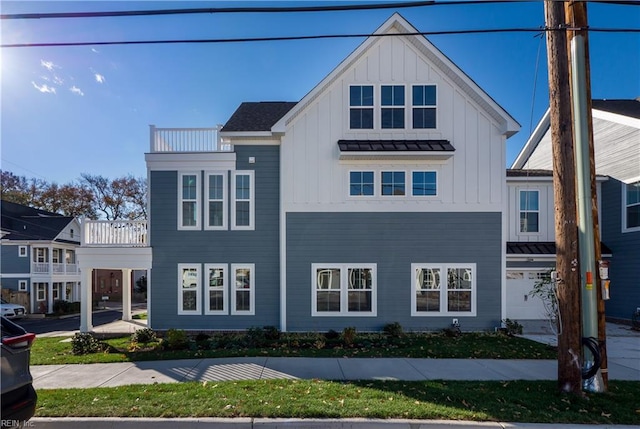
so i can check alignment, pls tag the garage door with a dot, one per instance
(520, 305)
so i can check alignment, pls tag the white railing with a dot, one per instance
(187, 140)
(115, 233)
(55, 267)
(40, 268)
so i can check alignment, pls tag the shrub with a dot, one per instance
(331, 335)
(256, 337)
(349, 335)
(271, 333)
(145, 335)
(512, 327)
(176, 339)
(394, 330)
(84, 343)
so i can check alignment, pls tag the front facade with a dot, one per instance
(39, 259)
(379, 197)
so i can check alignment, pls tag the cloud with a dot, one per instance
(100, 78)
(44, 88)
(95, 50)
(49, 65)
(76, 90)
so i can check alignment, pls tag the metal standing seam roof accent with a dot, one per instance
(395, 146)
(540, 248)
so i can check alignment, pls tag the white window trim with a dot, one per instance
(41, 287)
(443, 291)
(626, 229)
(344, 291)
(406, 185)
(519, 227)
(22, 285)
(225, 201)
(410, 180)
(413, 106)
(225, 289)
(22, 251)
(198, 289)
(234, 200)
(372, 107)
(198, 201)
(379, 107)
(252, 289)
(375, 184)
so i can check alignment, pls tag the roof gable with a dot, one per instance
(21, 222)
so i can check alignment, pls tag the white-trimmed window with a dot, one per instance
(243, 296)
(393, 183)
(57, 291)
(243, 204)
(529, 211)
(22, 251)
(392, 106)
(41, 291)
(215, 209)
(344, 289)
(361, 183)
(188, 201)
(424, 184)
(361, 107)
(22, 285)
(424, 106)
(631, 207)
(443, 290)
(189, 289)
(216, 287)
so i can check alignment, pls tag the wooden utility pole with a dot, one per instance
(568, 278)
(576, 16)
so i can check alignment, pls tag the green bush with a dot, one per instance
(393, 330)
(349, 336)
(512, 327)
(271, 333)
(145, 335)
(84, 343)
(331, 335)
(176, 339)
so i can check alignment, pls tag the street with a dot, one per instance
(51, 324)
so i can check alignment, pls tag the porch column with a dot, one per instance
(86, 303)
(126, 294)
(63, 292)
(49, 295)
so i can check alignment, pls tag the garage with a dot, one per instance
(520, 305)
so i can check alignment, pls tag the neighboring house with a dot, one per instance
(39, 255)
(379, 197)
(616, 129)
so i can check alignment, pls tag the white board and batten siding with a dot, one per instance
(546, 213)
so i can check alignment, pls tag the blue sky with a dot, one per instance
(72, 110)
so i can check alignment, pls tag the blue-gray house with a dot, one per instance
(379, 197)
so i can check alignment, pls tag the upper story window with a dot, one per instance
(423, 183)
(344, 289)
(215, 206)
(632, 206)
(361, 183)
(242, 207)
(529, 211)
(361, 107)
(393, 183)
(22, 251)
(392, 102)
(424, 106)
(188, 191)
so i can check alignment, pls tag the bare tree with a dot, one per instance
(121, 198)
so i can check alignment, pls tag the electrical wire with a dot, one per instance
(594, 347)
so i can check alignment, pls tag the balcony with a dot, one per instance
(114, 233)
(55, 268)
(171, 140)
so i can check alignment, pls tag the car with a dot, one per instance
(12, 311)
(19, 398)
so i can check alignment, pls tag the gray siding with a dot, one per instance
(625, 247)
(260, 247)
(12, 263)
(393, 241)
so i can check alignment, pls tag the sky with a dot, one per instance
(65, 111)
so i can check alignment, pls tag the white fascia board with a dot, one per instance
(616, 118)
(245, 134)
(531, 144)
(190, 161)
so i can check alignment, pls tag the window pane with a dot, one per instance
(359, 278)
(424, 183)
(243, 278)
(393, 183)
(387, 96)
(328, 278)
(528, 200)
(216, 277)
(428, 301)
(398, 95)
(459, 301)
(424, 118)
(633, 216)
(458, 278)
(215, 187)
(633, 193)
(355, 96)
(242, 213)
(427, 289)
(327, 301)
(243, 300)
(430, 95)
(216, 300)
(528, 222)
(189, 187)
(188, 213)
(243, 191)
(189, 300)
(367, 95)
(215, 213)
(359, 301)
(361, 183)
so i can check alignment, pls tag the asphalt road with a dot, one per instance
(50, 324)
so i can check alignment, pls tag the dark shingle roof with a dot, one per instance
(629, 108)
(26, 223)
(260, 116)
(529, 173)
(395, 146)
(540, 248)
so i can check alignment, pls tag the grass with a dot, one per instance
(53, 350)
(140, 316)
(516, 401)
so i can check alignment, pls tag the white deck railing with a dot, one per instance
(115, 233)
(53, 268)
(187, 140)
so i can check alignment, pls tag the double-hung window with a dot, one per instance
(529, 211)
(424, 106)
(392, 110)
(22, 251)
(243, 296)
(393, 183)
(361, 183)
(216, 288)
(443, 289)
(189, 289)
(242, 206)
(632, 206)
(188, 191)
(424, 183)
(215, 212)
(22, 285)
(343, 289)
(361, 107)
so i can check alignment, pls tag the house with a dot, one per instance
(39, 261)
(616, 130)
(379, 197)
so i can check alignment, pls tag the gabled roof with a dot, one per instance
(630, 108)
(396, 24)
(26, 223)
(257, 116)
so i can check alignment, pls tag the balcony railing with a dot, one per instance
(115, 233)
(54, 268)
(187, 140)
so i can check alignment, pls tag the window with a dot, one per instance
(393, 183)
(41, 255)
(632, 206)
(216, 195)
(22, 285)
(216, 289)
(188, 191)
(424, 106)
(22, 251)
(242, 208)
(243, 296)
(343, 289)
(57, 291)
(41, 291)
(443, 289)
(361, 183)
(361, 107)
(529, 211)
(392, 101)
(189, 289)
(423, 183)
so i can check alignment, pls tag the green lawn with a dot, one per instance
(517, 401)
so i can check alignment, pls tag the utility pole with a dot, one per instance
(576, 15)
(568, 278)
